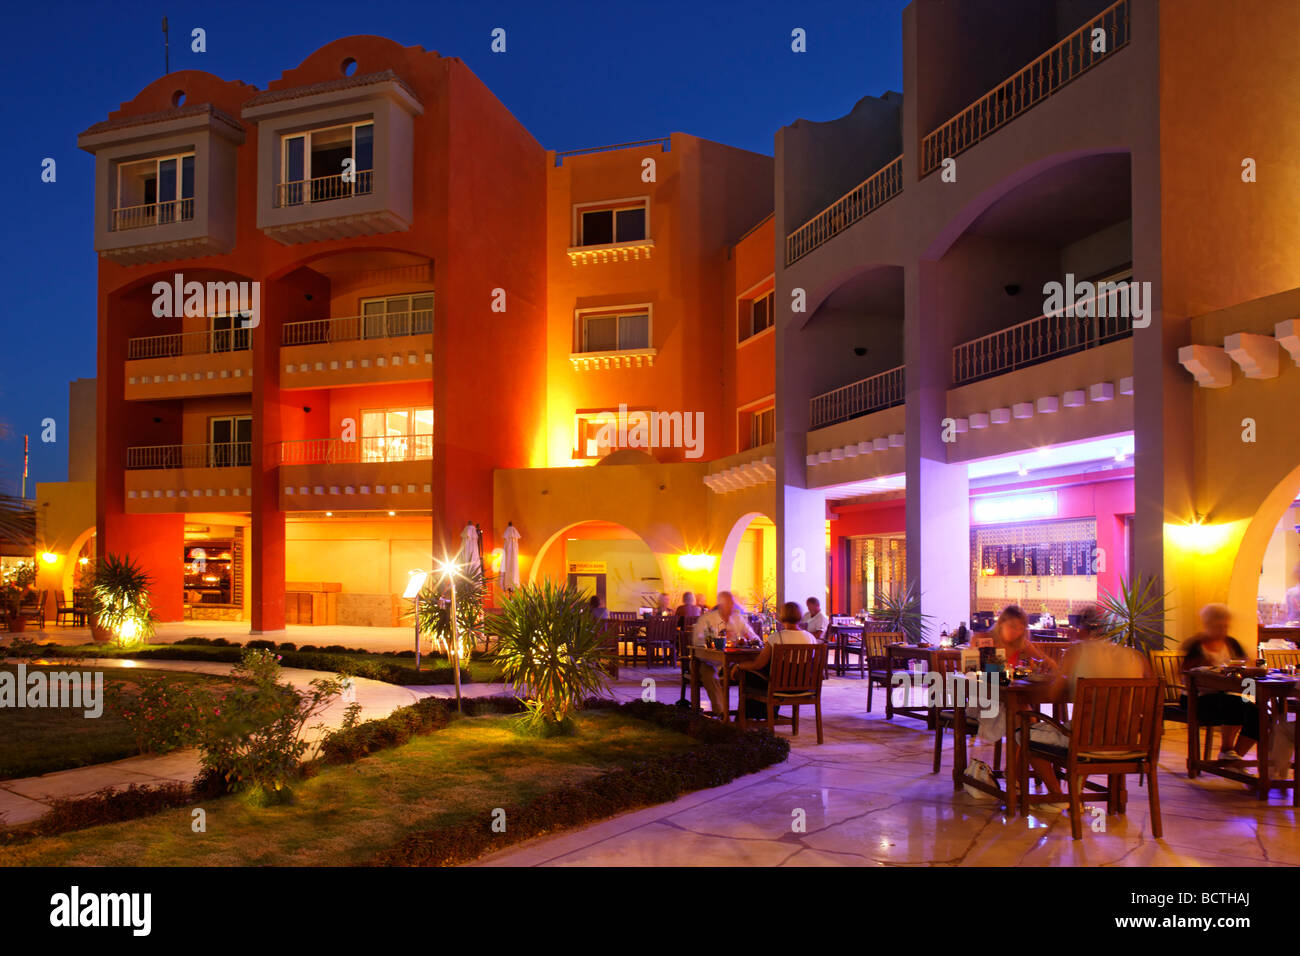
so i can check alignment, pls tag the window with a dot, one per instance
(762, 427)
(230, 439)
(597, 433)
(155, 191)
(231, 333)
(615, 331)
(756, 315)
(602, 225)
(397, 315)
(324, 164)
(397, 434)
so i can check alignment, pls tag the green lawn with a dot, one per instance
(346, 814)
(42, 740)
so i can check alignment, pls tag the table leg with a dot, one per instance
(1193, 729)
(1263, 703)
(889, 690)
(958, 746)
(1011, 774)
(726, 693)
(695, 684)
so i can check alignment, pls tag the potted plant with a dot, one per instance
(900, 608)
(121, 607)
(16, 587)
(1135, 615)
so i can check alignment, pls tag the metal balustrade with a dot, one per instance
(189, 343)
(152, 214)
(354, 328)
(331, 451)
(324, 188)
(1043, 77)
(884, 390)
(1038, 340)
(871, 193)
(213, 455)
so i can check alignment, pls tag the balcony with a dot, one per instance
(325, 189)
(1063, 63)
(1038, 340)
(872, 394)
(873, 192)
(358, 349)
(165, 184)
(183, 478)
(182, 364)
(144, 215)
(394, 472)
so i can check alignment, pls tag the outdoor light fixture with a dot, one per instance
(49, 557)
(696, 562)
(414, 585)
(1022, 471)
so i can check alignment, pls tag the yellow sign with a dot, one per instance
(586, 567)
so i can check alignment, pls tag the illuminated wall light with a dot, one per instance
(49, 557)
(1021, 470)
(1119, 454)
(1014, 507)
(696, 562)
(1198, 537)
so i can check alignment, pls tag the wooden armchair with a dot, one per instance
(944, 716)
(1168, 666)
(1115, 732)
(794, 677)
(32, 608)
(63, 609)
(659, 640)
(879, 671)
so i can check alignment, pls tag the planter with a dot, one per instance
(100, 635)
(17, 623)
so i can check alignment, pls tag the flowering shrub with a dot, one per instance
(162, 715)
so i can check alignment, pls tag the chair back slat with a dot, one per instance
(1281, 658)
(1053, 650)
(876, 643)
(796, 668)
(1168, 666)
(1116, 715)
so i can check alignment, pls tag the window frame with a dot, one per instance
(753, 410)
(614, 205)
(306, 135)
(410, 310)
(580, 326)
(157, 170)
(384, 458)
(764, 289)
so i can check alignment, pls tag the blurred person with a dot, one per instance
(1213, 646)
(597, 608)
(1011, 634)
(756, 671)
(725, 620)
(814, 622)
(1293, 599)
(688, 608)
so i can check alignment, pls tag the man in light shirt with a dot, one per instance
(814, 622)
(713, 623)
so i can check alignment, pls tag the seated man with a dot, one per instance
(756, 670)
(725, 620)
(814, 622)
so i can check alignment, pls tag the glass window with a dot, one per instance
(756, 315)
(397, 434)
(395, 315)
(615, 332)
(633, 331)
(598, 227)
(601, 333)
(629, 224)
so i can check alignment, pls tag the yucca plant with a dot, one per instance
(435, 610)
(121, 599)
(900, 608)
(552, 650)
(1135, 616)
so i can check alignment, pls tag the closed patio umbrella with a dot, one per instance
(510, 558)
(469, 555)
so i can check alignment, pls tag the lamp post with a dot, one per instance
(414, 585)
(448, 571)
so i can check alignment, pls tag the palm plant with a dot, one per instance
(121, 599)
(1135, 616)
(435, 610)
(552, 649)
(900, 608)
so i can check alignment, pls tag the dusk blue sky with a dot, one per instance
(576, 74)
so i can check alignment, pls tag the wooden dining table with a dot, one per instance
(930, 654)
(1012, 698)
(723, 659)
(1271, 692)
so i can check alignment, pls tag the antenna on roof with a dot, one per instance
(167, 53)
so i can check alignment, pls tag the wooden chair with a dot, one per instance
(32, 608)
(1115, 731)
(1168, 666)
(63, 609)
(685, 636)
(794, 677)
(1281, 658)
(610, 644)
(879, 671)
(944, 716)
(1055, 650)
(82, 604)
(659, 639)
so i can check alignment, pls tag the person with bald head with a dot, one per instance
(724, 620)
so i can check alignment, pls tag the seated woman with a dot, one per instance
(1011, 634)
(756, 671)
(1211, 647)
(1091, 656)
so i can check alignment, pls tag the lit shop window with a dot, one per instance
(397, 434)
(615, 331)
(617, 222)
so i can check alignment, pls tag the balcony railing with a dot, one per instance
(324, 188)
(189, 343)
(354, 328)
(884, 390)
(237, 454)
(336, 451)
(876, 189)
(152, 214)
(1040, 79)
(1038, 340)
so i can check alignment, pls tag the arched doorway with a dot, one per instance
(602, 557)
(1268, 561)
(747, 567)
